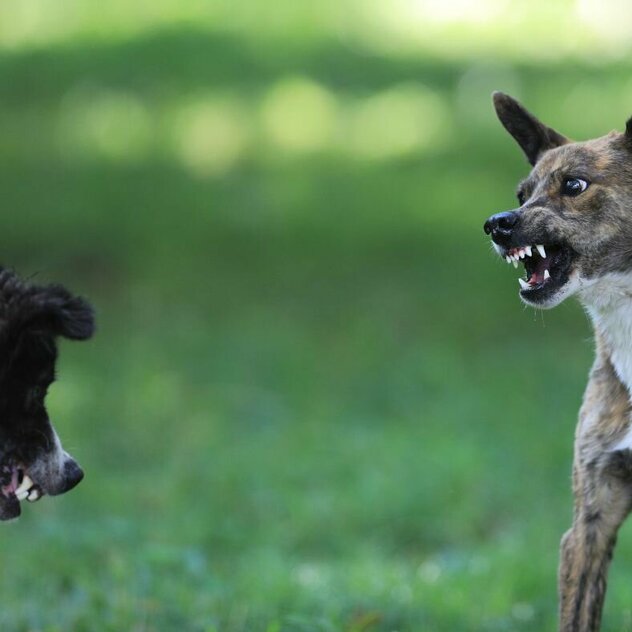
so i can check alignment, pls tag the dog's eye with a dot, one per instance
(574, 186)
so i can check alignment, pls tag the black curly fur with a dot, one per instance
(32, 318)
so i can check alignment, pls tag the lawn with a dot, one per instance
(315, 402)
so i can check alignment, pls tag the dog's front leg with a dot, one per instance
(602, 490)
(587, 547)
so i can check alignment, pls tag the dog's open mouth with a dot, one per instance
(547, 269)
(16, 483)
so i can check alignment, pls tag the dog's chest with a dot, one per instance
(616, 328)
(609, 304)
(613, 320)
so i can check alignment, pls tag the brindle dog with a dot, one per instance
(572, 232)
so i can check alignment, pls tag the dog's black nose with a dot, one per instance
(73, 475)
(501, 225)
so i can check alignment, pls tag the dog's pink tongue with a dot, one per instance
(538, 273)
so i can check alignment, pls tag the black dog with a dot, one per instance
(32, 460)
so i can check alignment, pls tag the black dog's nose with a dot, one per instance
(501, 225)
(73, 475)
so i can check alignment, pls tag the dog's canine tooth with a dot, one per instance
(528, 250)
(522, 253)
(547, 275)
(541, 250)
(24, 486)
(515, 262)
(34, 495)
(523, 284)
(508, 259)
(22, 495)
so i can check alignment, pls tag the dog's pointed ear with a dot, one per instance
(54, 311)
(532, 135)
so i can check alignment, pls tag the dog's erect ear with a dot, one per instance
(533, 136)
(53, 310)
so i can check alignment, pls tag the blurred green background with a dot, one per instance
(315, 402)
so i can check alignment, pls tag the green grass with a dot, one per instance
(315, 402)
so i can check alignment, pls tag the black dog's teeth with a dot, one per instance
(27, 489)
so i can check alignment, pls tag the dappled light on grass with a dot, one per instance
(405, 119)
(104, 124)
(299, 115)
(210, 133)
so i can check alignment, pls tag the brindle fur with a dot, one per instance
(598, 226)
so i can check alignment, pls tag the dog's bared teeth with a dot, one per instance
(508, 259)
(515, 262)
(521, 253)
(23, 487)
(541, 250)
(22, 495)
(528, 250)
(523, 284)
(34, 494)
(547, 275)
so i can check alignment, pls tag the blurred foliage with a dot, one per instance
(314, 402)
